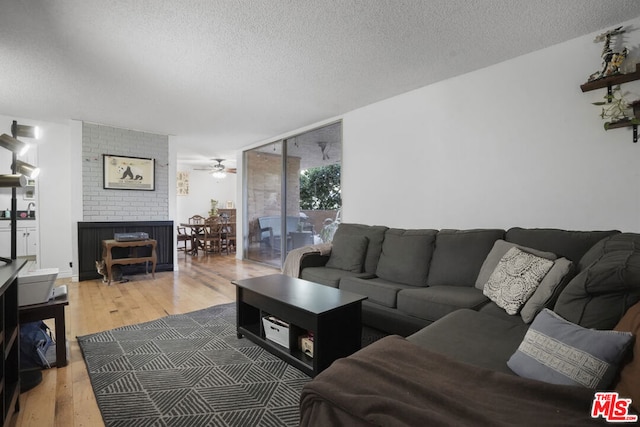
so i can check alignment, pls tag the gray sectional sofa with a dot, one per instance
(462, 351)
(414, 277)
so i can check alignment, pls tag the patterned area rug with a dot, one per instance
(191, 370)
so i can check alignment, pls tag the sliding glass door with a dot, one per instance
(292, 203)
(262, 192)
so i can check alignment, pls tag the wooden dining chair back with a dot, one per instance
(197, 219)
(184, 237)
(197, 233)
(211, 237)
(230, 237)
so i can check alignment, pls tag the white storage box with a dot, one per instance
(35, 286)
(276, 330)
(306, 345)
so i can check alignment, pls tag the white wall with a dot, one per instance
(515, 144)
(55, 198)
(202, 188)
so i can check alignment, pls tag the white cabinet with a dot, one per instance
(26, 239)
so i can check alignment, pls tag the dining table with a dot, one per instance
(197, 229)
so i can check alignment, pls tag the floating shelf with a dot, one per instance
(623, 124)
(611, 80)
(608, 82)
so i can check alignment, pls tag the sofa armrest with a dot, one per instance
(314, 260)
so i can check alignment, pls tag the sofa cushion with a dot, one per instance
(628, 385)
(406, 255)
(569, 244)
(348, 252)
(615, 242)
(550, 287)
(560, 352)
(379, 291)
(515, 279)
(479, 339)
(459, 254)
(492, 309)
(500, 247)
(375, 234)
(599, 295)
(328, 276)
(434, 302)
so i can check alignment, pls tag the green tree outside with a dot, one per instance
(320, 188)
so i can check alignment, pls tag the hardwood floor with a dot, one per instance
(65, 398)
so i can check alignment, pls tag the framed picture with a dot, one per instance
(128, 173)
(183, 184)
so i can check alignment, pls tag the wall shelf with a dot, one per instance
(609, 82)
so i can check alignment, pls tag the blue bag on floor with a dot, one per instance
(35, 340)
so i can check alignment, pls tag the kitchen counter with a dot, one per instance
(21, 216)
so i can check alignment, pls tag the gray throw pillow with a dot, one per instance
(515, 279)
(560, 352)
(599, 296)
(548, 289)
(459, 254)
(375, 234)
(500, 247)
(406, 256)
(348, 252)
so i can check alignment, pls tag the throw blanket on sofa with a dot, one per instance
(393, 382)
(291, 265)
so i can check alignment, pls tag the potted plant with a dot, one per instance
(214, 208)
(616, 108)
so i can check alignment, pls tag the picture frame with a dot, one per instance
(182, 188)
(128, 173)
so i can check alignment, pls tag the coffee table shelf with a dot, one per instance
(332, 315)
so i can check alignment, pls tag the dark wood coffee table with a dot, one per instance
(332, 315)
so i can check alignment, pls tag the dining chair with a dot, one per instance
(197, 233)
(211, 240)
(197, 219)
(183, 237)
(230, 236)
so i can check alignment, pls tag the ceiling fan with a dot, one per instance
(218, 170)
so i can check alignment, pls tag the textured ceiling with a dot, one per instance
(222, 74)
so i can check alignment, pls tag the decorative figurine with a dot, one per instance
(611, 61)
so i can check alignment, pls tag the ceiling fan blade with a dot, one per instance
(217, 167)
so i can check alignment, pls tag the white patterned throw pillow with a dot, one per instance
(515, 279)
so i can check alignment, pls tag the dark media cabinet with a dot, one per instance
(10, 338)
